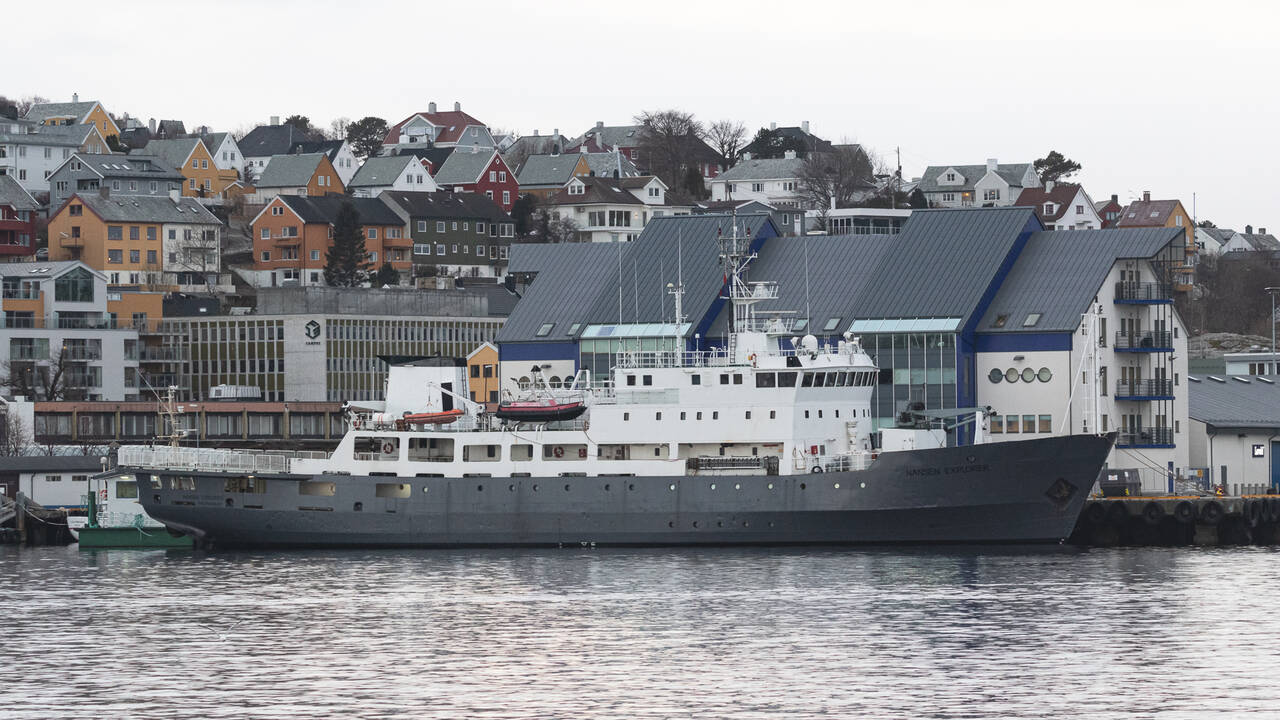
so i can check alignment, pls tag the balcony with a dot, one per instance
(27, 352)
(162, 354)
(1142, 390)
(1136, 293)
(81, 353)
(1158, 437)
(1157, 341)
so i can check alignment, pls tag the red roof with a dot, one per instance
(451, 122)
(1147, 213)
(1061, 197)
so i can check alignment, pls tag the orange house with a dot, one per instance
(292, 235)
(483, 383)
(310, 174)
(189, 156)
(122, 236)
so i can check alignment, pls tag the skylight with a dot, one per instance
(1031, 320)
(545, 329)
(573, 328)
(800, 325)
(832, 323)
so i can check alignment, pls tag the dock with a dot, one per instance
(1179, 520)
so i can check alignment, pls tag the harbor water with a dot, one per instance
(660, 633)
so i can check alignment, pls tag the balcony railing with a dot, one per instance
(162, 354)
(74, 352)
(1151, 341)
(1146, 437)
(76, 323)
(21, 294)
(22, 352)
(1137, 292)
(1144, 388)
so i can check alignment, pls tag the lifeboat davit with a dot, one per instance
(540, 411)
(432, 418)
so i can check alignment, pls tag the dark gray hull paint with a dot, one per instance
(1023, 491)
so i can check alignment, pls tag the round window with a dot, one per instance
(995, 375)
(1045, 374)
(1028, 375)
(1011, 375)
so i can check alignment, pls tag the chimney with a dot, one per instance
(1048, 186)
(1248, 229)
(535, 132)
(275, 119)
(1115, 199)
(457, 107)
(1146, 196)
(773, 126)
(599, 124)
(175, 195)
(992, 164)
(75, 97)
(804, 125)
(104, 191)
(789, 155)
(746, 156)
(1262, 231)
(151, 125)
(431, 107)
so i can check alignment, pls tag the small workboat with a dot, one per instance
(432, 418)
(540, 410)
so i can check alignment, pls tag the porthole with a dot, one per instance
(713, 486)
(1028, 375)
(511, 488)
(995, 375)
(535, 488)
(695, 523)
(671, 523)
(606, 487)
(745, 523)
(1045, 374)
(770, 523)
(631, 486)
(479, 488)
(566, 487)
(862, 485)
(770, 486)
(672, 487)
(803, 486)
(1011, 375)
(425, 489)
(737, 486)
(836, 486)
(719, 523)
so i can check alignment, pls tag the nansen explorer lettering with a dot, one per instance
(767, 440)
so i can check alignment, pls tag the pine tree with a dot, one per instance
(345, 263)
(386, 275)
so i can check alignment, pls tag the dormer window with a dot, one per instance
(1048, 208)
(951, 177)
(577, 189)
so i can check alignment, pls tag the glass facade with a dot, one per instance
(600, 355)
(914, 367)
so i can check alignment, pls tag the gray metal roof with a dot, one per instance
(1058, 274)
(51, 135)
(1234, 401)
(148, 208)
(269, 140)
(44, 269)
(547, 169)
(289, 170)
(174, 153)
(44, 111)
(605, 164)
(671, 247)
(378, 171)
(769, 169)
(570, 276)
(942, 263)
(1011, 172)
(816, 275)
(52, 463)
(15, 196)
(463, 167)
(142, 165)
(613, 135)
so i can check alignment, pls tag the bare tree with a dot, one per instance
(667, 139)
(727, 138)
(16, 438)
(198, 253)
(338, 129)
(53, 380)
(835, 179)
(26, 103)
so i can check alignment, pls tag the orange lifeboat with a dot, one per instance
(432, 418)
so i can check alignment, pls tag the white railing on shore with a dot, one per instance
(182, 458)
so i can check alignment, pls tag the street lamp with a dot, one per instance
(1272, 292)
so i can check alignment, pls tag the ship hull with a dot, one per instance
(1011, 492)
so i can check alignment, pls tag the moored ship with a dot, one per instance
(767, 440)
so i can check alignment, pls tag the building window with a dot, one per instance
(506, 197)
(440, 249)
(266, 254)
(439, 226)
(373, 233)
(115, 232)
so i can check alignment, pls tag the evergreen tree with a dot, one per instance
(386, 275)
(345, 263)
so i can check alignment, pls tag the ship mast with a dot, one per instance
(735, 256)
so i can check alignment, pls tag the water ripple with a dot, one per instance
(963, 633)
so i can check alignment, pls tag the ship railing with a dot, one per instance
(670, 359)
(658, 396)
(183, 458)
(842, 462)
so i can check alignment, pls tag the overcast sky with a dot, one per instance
(1172, 97)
